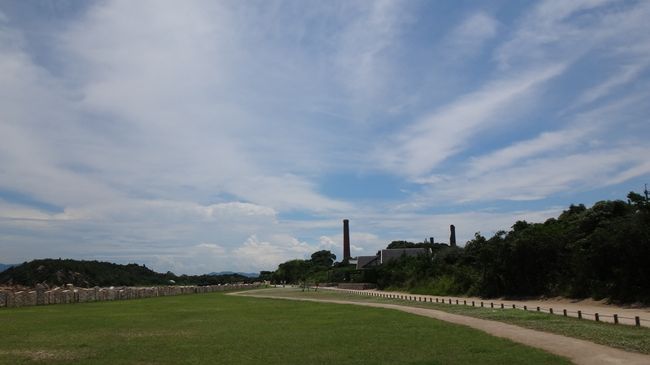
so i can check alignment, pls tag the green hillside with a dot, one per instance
(96, 273)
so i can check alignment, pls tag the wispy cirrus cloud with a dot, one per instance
(202, 136)
(624, 76)
(468, 38)
(542, 50)
(448, 131)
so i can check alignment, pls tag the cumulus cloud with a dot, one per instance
(267, 254)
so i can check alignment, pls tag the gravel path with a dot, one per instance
(578, 351)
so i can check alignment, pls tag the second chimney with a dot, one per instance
(452, 236)
(346, 240)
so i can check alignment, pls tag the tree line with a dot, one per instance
(599, 252)
(82, 273)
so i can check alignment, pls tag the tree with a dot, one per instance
(292, 271)
(323, 258)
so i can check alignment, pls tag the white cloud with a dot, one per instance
(448, 131)
(327, 243)
(143, 99)
(21, 212)
(546, 43)
(570, 29)
(182, 135)
(542, 177)
(556, 142)
(257, 253)
(212, 248)
(364, 47)
(246, 209)
(360, 242)
(470, 35)
(624, 76)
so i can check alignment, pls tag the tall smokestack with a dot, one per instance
(452, 236)
(346, 240)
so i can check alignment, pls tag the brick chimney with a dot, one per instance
(346, 240)
(452, 236)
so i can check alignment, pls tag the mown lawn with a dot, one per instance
(222, 329)
(625, 337)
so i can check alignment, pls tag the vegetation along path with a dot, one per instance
(587, 308)
(578, 351)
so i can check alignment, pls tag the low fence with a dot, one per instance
(69, 294)
(598, 317)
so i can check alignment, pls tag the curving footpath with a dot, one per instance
(580, 352)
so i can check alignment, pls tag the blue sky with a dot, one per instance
(201, 136)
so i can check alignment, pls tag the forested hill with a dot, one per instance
(600, 252)
(96, 273)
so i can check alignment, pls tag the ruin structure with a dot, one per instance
(452, 236)
(346, 240)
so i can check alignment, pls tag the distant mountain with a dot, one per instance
(246, 274)
(4, 267)
(95, 273)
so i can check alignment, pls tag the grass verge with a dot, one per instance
(222, 329)
(629, 338)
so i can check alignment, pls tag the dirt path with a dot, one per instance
(587, 307)
(578, 351)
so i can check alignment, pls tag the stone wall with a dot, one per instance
(69, 294)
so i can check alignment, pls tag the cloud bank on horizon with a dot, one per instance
(203, 136)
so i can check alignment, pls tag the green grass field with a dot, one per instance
(625, 337)
(222, 329)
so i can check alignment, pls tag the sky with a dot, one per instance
(201, 136)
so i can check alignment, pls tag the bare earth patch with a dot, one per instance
(43, 355)
(145, 334)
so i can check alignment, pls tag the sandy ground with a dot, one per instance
(578, 351)
(588, 307)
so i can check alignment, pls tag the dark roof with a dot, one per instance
(364, 261)
(395, 253)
